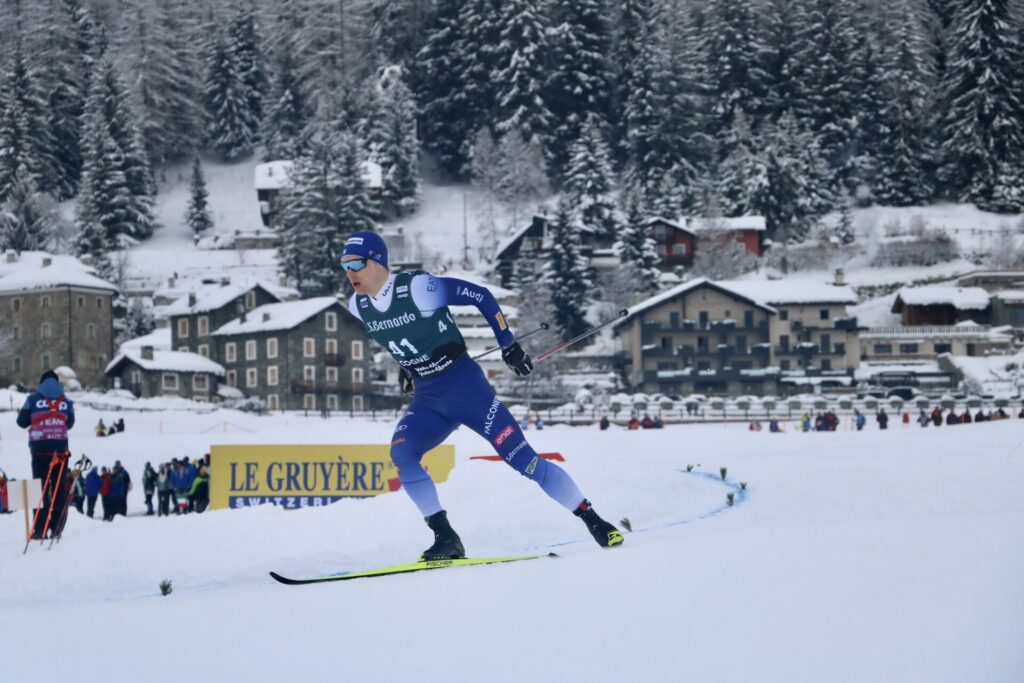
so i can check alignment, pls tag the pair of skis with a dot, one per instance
(423, 565)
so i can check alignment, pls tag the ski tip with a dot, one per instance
(283, 579)
(553, 555)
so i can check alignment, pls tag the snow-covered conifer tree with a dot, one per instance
(198, 216)
(577, 87)
(984, 124)
(522, 179)
(565, 274)
(26, 217)
(286, 109)
(25, 135)
(637, 249)
(521, 73)
(399, 154)
(230, 123)
(588, 181)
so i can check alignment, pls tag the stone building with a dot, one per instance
(147, 372)
(54, 311)
(735, 338)
(298, 355)
(194, 317)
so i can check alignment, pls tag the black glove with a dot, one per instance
(405, 382)
(517, 359)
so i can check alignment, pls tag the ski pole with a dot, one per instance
(83, 464)
(543, 326)
(58, 481)
(42, 496)
(550, 352)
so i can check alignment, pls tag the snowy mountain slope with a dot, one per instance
(856, 556)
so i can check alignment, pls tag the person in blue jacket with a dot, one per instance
(92, 489)
(48, 415)
(180, 483)
(407, 314)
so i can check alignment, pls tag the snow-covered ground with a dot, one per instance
(870, 556)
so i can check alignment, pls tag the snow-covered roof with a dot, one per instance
(282, 316)
(695, 224)
(781, 292)
(273, 175)
(1011, 296)
(168, 361)
(511, 239)
(159, 339)
(669, 294)
(969, 298)
(209, 298)
(29, 272)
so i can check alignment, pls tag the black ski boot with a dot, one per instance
(447, 544)
(604, 533)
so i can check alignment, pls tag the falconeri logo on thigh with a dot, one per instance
(491, 413)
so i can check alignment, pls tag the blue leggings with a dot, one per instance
(463, 396)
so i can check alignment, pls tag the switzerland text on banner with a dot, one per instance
(309, 475)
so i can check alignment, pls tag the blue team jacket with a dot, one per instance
(47, 415)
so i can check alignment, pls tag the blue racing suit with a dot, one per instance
(450, 388)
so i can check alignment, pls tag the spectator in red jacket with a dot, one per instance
(108, 505)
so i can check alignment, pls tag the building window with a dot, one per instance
(272, 402)
(183, 327)
(272, 376)
(357, 375)
(826, 363)
(784, 364)
(136, 377)
(703, 319)
(90, 331)
(309, 373)
(272, 347)
(357, 350)
(883, 349)
(16, 332)
(357, 402)
(204, 350)
(679, 249)
(250, 300)
(823, 314)
(825, 343)
(331, 320)
(169, 381)
(81, 302)
(703, 365)
(331, 347)
(702, 344)
(250, 349)
(943, 348)
(230, 352)
(908, 348)
(784, 342)
(46, 362)
(232, 379)
(251, 380)
(16, 305)
(183, 349)
(332, 402)
(783, 314)
(200, 383)
(309, 401)
(99, 302)
(203, 326)
(309, 347)
(332, 374)
(17, 365)
(44, 330)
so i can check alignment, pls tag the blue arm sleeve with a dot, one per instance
(431, 293)
(71, 413)
(25, 414)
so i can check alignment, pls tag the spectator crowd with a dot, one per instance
(179, 485)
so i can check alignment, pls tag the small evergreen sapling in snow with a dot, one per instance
(165, 587)
(198, 217)
(722, 471)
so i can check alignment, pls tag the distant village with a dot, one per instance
(222, 339)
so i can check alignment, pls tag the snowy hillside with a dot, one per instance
(870, 556)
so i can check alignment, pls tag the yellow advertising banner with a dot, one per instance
(305, 475)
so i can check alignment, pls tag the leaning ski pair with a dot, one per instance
(407, 568)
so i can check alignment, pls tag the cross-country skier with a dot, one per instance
(407, 314)
(48, 415)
